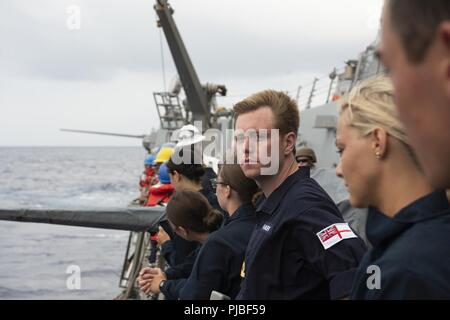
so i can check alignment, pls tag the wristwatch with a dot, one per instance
(161, 285)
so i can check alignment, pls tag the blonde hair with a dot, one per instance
(370, 105)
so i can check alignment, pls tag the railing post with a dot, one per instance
(311, 95)
(332, 77)
(298, 94)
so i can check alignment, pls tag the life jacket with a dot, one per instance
(149, 171)
(147, 178)
(159, 194)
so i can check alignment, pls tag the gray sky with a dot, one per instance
(102, 76)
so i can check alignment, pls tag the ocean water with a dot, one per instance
(35, 259)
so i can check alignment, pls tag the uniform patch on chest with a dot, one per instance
(335, 234)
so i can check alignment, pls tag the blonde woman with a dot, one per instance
(409, 222)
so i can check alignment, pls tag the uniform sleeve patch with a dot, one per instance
(335, 234)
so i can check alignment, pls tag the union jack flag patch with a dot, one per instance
(335, 234)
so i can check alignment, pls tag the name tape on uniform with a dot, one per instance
(335, 234)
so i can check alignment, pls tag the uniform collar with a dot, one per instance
(424, 208)
(268, 205)
(380, 228)
(243, 211)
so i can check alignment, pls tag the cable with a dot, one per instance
(162, 59)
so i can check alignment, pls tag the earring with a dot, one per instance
(378, 155)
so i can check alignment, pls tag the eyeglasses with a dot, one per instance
(214, 183)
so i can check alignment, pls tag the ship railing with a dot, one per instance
(128, 218)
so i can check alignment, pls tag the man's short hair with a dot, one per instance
(416, 22)
(284, 108)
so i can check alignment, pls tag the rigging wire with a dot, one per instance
(161, 45)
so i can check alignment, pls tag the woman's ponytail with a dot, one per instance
(213, 220)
